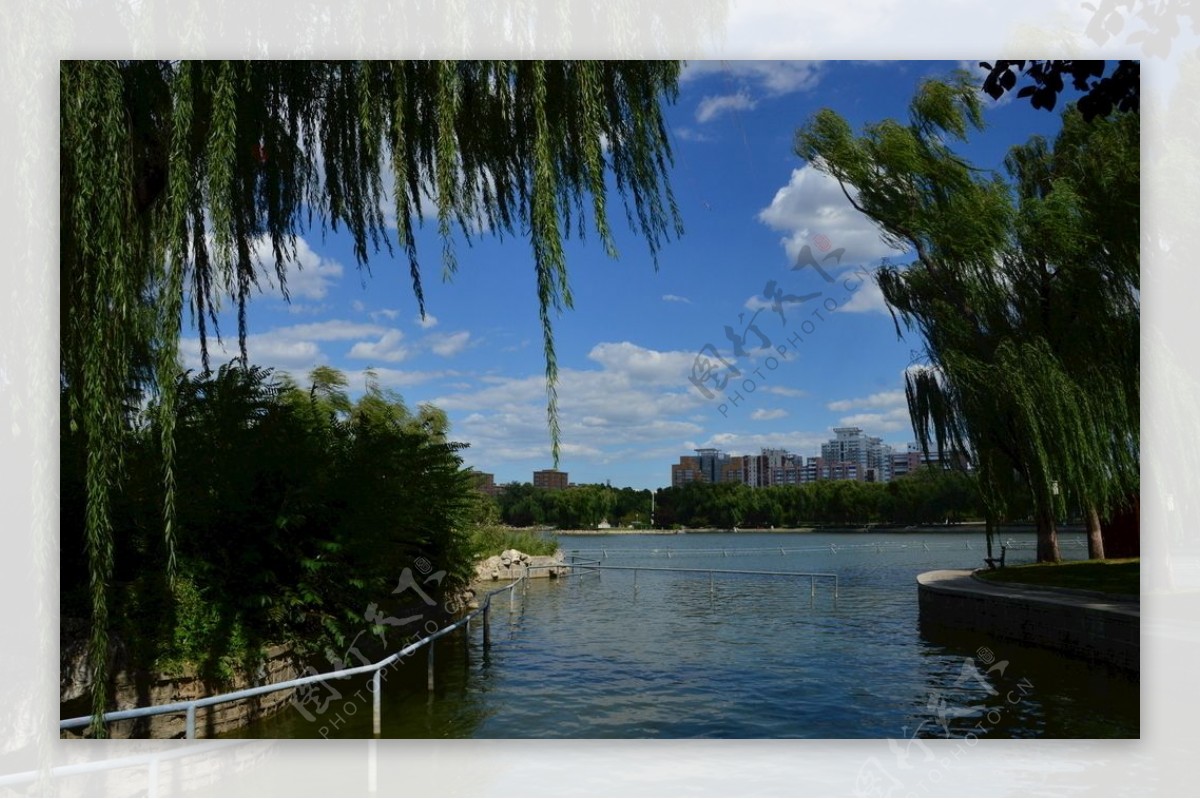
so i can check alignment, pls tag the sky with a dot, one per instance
(642, 352)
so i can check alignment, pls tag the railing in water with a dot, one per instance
(374, 669)
(596, 566)
(879, 547)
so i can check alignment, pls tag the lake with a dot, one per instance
(614, 654)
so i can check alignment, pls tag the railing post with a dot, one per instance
(511, 590)
(812, 587)
(712, 586)
(376, 691)
(430, 680)
(835, 586)
(191, 721)
(486, 632)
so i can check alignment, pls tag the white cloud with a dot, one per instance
(891, 421)
(307, 275)
(358, 306)
(646, 366)
(635, 397)
(383, 313)
(447, 344)
(331, 330)
(867, 298)
(676, 298)
(783, 391)
(388, 348)
(398, 378)
(771, 77)
(812, 205)
(429, 321)
(712, 107)
(764, 415)
(267, 350)
(882, 399)
(796, 441)
(687, 134)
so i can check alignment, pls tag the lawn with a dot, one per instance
(1110, 576)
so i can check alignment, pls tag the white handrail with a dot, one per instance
(374, 669)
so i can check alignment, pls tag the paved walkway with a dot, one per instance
(963, 581)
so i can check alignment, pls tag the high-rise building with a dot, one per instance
(712, 462)
(686, 471)
(550, 478)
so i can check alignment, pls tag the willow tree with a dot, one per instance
(174, 174)
(1024, 292)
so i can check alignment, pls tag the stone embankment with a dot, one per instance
(511, 564)
(1095, 627)
(144, 690)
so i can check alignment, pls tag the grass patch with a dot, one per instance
(1110, 576)
(488, 541)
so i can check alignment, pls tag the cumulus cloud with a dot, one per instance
(796, 441)
(783, 391)
(650, 367)
(764, 415)
(882, 399)
(634, 397)
(447, 344)
(388, 348)
(331, 330)
(891, 421)
(771, 77)
(307, 275)
(714, 106)
(429, 321)
(812, 210)
(268, 350)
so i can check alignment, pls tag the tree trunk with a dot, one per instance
(1047, 537)
(1095, 540)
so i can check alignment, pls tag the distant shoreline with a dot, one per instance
(964, 527)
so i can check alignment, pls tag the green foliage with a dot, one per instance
(489, 541)
(1024, 292)
(174, 172)
(295, 509)
(575, 508)
(928, 496)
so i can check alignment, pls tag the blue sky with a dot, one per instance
(626, 351)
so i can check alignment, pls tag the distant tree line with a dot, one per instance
(927, 497)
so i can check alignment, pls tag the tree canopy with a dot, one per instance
(175, 174)
(1119, 90)
(1024, 292)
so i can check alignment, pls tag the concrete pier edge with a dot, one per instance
(1097, 627)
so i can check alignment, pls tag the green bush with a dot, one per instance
(488, 541)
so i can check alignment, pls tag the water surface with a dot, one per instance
(683, 655)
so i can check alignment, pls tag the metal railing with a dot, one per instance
(877, 547)
(597, 567)
(374, 669)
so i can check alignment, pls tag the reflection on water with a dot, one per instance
(675, 655)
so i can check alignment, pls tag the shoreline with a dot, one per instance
(963, 527)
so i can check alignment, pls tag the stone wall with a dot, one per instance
(143, 690)
(1090, 626)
